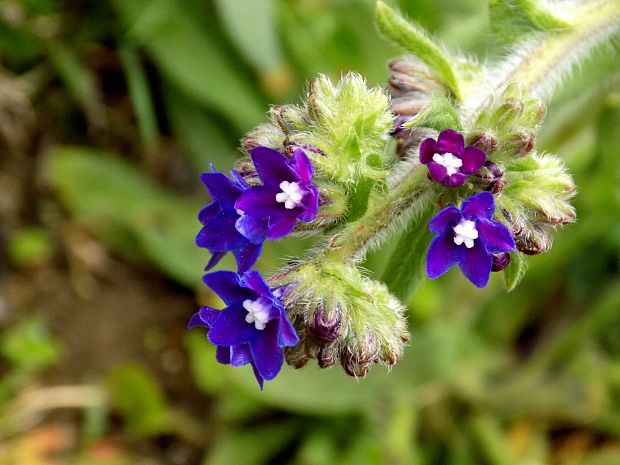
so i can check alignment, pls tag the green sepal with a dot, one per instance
(515, 271)
(358, 198)
(440, 114)
(405, 267)
(415, 40)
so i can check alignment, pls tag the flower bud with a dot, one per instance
(507, 114)
(484, 141)
(411, 86)
(343, 316)
(500, 261)
(290, 118)
(536, 199)
(326, 323)
(517, 144)
(265, 135)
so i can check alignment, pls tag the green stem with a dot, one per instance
(412, 195)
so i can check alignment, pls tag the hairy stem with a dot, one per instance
(542, 62)
(410, 196)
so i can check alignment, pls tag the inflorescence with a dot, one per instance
(330, 166)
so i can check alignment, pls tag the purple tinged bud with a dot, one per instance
(484, 141)
(518, 144)
(328, 355)
(500, 261)
(326, 324)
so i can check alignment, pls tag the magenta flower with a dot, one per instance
(449, 161)
(468, 237)
(252, 329)
(286, 195)
(224, 228)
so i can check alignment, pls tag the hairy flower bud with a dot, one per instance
(343, 316)
(265, 135)
(536, 199)
(411, 86)
(517, 144)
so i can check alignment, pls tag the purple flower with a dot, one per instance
(449, 161)
(252, 329)
(287, 193)
(224, 228)
(468, 237)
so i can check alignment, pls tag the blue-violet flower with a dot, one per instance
(449, 161)
(252, 329)
(468, 237)
(224, 228)
(287, 192)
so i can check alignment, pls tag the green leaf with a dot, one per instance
(191, 59)
(514, 272)
(416, 40)
(136, 395)
(406, 265)
(252, 28)
(128, 211)
(358, 198)
(80, 81)
(140, 94)
(512, 20)
(440, 114)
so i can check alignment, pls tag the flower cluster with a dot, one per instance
(253, 328)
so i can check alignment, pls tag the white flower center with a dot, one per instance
(451, 162)
(258, 313)
(466, 233)
(291, 194)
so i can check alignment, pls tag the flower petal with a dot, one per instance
(247, 256)
(473, 158)
(208, 212)
(442, 255)
(259, 202)
(450, 141)
(214, 260)
(258, 377)
(255, 281)
(240, 355)
(208, 315)
(475, 263)
(481, 205)
(231, 329)
(311, 204)
(253, 229)
(221, 189)
(288, 336)
(268, 356)
(222, 354)
(302, 165)
(455, 180)
(495, 236)
(220, 233)
(438, 172)
(428, 148)
(283, 224)
(226, 285)
(446, 218)
(272, 167)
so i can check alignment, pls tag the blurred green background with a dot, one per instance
(109, 109)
